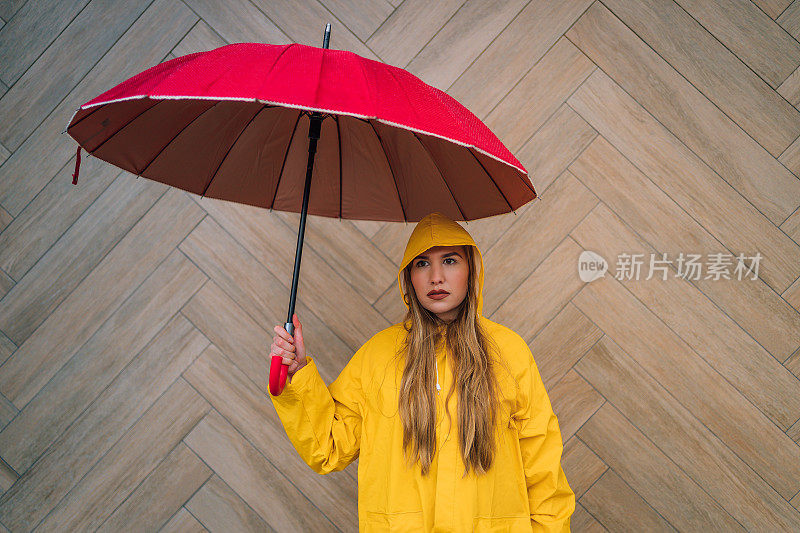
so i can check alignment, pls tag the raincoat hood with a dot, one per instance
(436, 229)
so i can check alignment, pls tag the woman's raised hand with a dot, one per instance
(293, 350)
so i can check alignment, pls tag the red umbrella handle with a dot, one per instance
(277, 375)
(278, 371)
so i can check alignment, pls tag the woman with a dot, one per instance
(427, 458)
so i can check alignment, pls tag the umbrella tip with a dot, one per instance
(327, 37)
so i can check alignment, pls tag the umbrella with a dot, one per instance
(232, 123)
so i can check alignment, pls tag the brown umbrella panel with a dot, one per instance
(256, 153)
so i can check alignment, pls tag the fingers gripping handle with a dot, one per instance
(278, 371)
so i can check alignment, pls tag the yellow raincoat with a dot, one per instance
(357, 416)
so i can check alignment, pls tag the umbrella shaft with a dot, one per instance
(314, 128)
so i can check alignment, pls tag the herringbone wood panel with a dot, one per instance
(135, 319)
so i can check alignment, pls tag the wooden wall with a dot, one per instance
(135, 319)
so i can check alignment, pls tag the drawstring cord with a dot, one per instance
(438, 387)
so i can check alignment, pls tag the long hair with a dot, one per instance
(474, 378)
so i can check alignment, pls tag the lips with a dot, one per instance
(438, 293)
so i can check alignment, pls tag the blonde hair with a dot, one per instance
(474, 378)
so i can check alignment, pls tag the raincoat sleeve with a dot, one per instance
(551, 499)
(323, 422)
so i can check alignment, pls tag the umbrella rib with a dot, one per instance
(285, 155)
(126, 125)
(141, 172)
(93, 111)
(441, 174)
(339, 139)
(216, 171)
(491, 178)
(389, 163)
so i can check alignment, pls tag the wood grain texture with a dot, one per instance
(78, 447)
(83, 312)
(131, 460)
(30, 33)
(118, 471)
(77, 252)
(62, 65)
(583, 464)
(183, 522)
(702, 455)
(219, 508)
(245, 341)
(176, 479)
(54, 211)
(76, 385)
(271, 242)
(135, 320)
(363, 16)
(201, 38)
(237, 21)
(542, 230)
(669, 230)
(574, 401)
(256, 480)
(615, 504)
(512, 54)
(144, 44)
(773, 8)
(554, 146)
(682, 175)
(750, 34)
(9, 8)
(651, 474)
(789, 17)
(4, 152)
(241, 401)
(404, 33)
(562, 342)
(462, 39)
(688, 377)
(543, 293)
(305, 22)
(539, 94)
(714, 70)
(582, 520)
(733, 150)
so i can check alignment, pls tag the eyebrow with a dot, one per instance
(445, 255)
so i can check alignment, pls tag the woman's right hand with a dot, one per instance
(293, 350)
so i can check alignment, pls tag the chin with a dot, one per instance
(443, 309)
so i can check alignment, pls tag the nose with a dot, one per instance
(437, 274)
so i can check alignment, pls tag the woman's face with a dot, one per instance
(441, 268)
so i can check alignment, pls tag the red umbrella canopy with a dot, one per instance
(232, 123)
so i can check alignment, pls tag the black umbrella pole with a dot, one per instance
(314, 128)
(278, 370)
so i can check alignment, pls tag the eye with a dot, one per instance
(421, 261)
